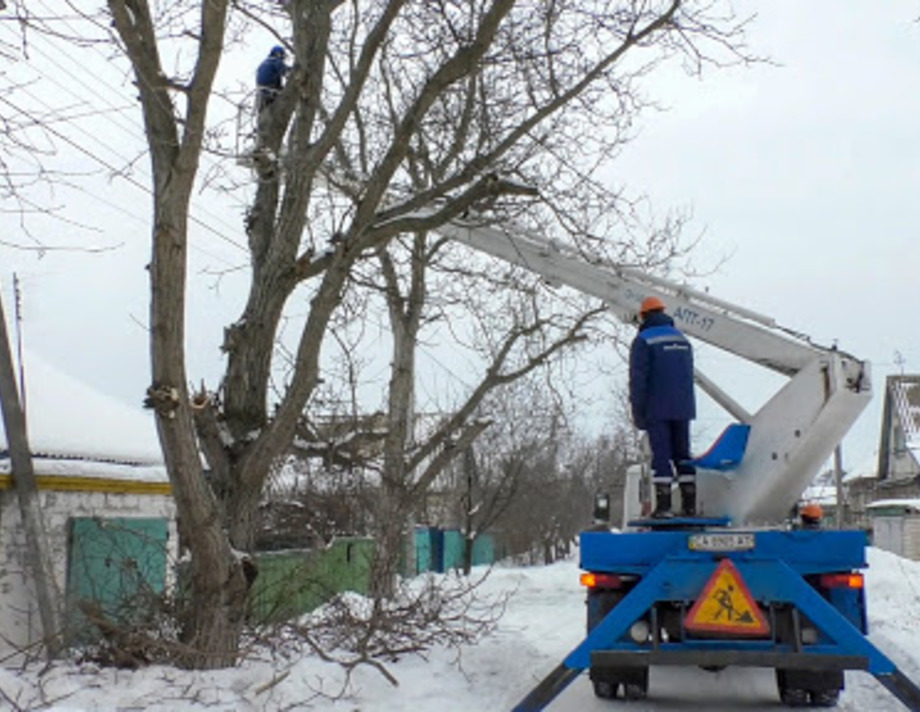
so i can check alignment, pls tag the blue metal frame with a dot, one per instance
(774, 573)
(805, 551)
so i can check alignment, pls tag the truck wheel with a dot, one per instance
(608, 681)
(825, 698)
(633, 691)
(809, 688)
(794, 697)
(605, 690)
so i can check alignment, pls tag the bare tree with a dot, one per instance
(397, 117)
(606, 459)
(527, 340)
(499, 476)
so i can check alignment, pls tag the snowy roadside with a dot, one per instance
(544, 620)
(544, 616)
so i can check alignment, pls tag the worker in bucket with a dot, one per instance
(270, 77)
(663, 403)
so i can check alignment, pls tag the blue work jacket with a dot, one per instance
(271, 72)
(660, 373)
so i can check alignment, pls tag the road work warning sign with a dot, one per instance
(726, 606)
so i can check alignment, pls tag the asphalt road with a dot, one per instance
(744, 689)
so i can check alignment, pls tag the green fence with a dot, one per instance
(294, 582)
(112, 561)
(441, 550)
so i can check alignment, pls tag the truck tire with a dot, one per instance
(634, 691)
(607, 682)
(794, 697)
(809, 688)
(605, 690)
(825, 698)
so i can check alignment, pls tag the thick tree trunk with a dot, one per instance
(217, 582)
(388, 544)
(468, 542)
(243, 511)
(215, 616)
(405, 315)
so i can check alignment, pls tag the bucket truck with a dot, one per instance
(739, 585)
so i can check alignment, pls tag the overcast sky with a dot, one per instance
(804, 174)
(807, 175)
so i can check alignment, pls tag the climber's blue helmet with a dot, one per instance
(277, 51)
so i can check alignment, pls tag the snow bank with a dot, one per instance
(543, 622)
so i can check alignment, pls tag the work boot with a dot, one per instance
(662, 502)
(688, 499)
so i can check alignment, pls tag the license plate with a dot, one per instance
(721, 542)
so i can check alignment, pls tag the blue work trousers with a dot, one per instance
(670, 443)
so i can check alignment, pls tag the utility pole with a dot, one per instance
(838, 482)
(17, 320)
(38, 557)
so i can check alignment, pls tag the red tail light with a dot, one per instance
(842, 581)
(593, 580)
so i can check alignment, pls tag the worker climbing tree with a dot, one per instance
(270, 81)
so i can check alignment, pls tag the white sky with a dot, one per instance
(804, 175)
(543, 622)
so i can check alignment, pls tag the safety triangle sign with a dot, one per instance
(726, 606)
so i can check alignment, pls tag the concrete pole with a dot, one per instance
(838, 482)
(38, 555)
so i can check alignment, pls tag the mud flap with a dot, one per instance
(902, 687)
(549, 688)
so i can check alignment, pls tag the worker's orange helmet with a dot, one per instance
(651, 304)
(812, 511)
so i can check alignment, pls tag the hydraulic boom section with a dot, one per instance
(791, 436)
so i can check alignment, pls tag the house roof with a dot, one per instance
(905, 392)
(900, 424)
(909, 505)
(69, 421)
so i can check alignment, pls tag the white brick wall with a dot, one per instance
(19, 623)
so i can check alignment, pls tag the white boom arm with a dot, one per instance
(791, 436)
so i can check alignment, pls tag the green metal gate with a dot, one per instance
(111, 564)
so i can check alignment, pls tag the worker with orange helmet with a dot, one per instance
(663, 403)
(811, 515)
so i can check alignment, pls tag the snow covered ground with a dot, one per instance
(543, 621)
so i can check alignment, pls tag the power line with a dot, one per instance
(130, 130)
(63, 137)
(96, 48)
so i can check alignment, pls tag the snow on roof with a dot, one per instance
(92, 469)
(68, 420)
(911, 505)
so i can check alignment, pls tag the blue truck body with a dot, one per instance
(659, 596)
